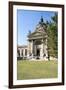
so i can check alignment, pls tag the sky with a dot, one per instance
(27, 21)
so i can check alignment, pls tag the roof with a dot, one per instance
(22, 46)
(40, 31)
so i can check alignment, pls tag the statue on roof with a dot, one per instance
(41, 20)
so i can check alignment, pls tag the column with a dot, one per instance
(42, 49)
(35, 50)
(23, 52)
(29, 49)
(32, 48)
(46, 49)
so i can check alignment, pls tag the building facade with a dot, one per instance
(37, 44)
(22, 52)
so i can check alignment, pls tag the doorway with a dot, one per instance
(38, 53)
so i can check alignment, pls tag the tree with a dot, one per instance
(52, 36)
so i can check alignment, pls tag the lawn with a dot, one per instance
(36, 69)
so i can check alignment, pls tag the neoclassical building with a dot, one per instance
(37, 44)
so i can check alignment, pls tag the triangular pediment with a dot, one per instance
(40, 31)
(37, 34)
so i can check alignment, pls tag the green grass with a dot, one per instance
(36, 69)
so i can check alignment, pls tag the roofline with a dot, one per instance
(21, 46)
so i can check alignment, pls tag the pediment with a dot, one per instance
(37, 35)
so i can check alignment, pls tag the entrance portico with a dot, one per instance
(37, 47)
